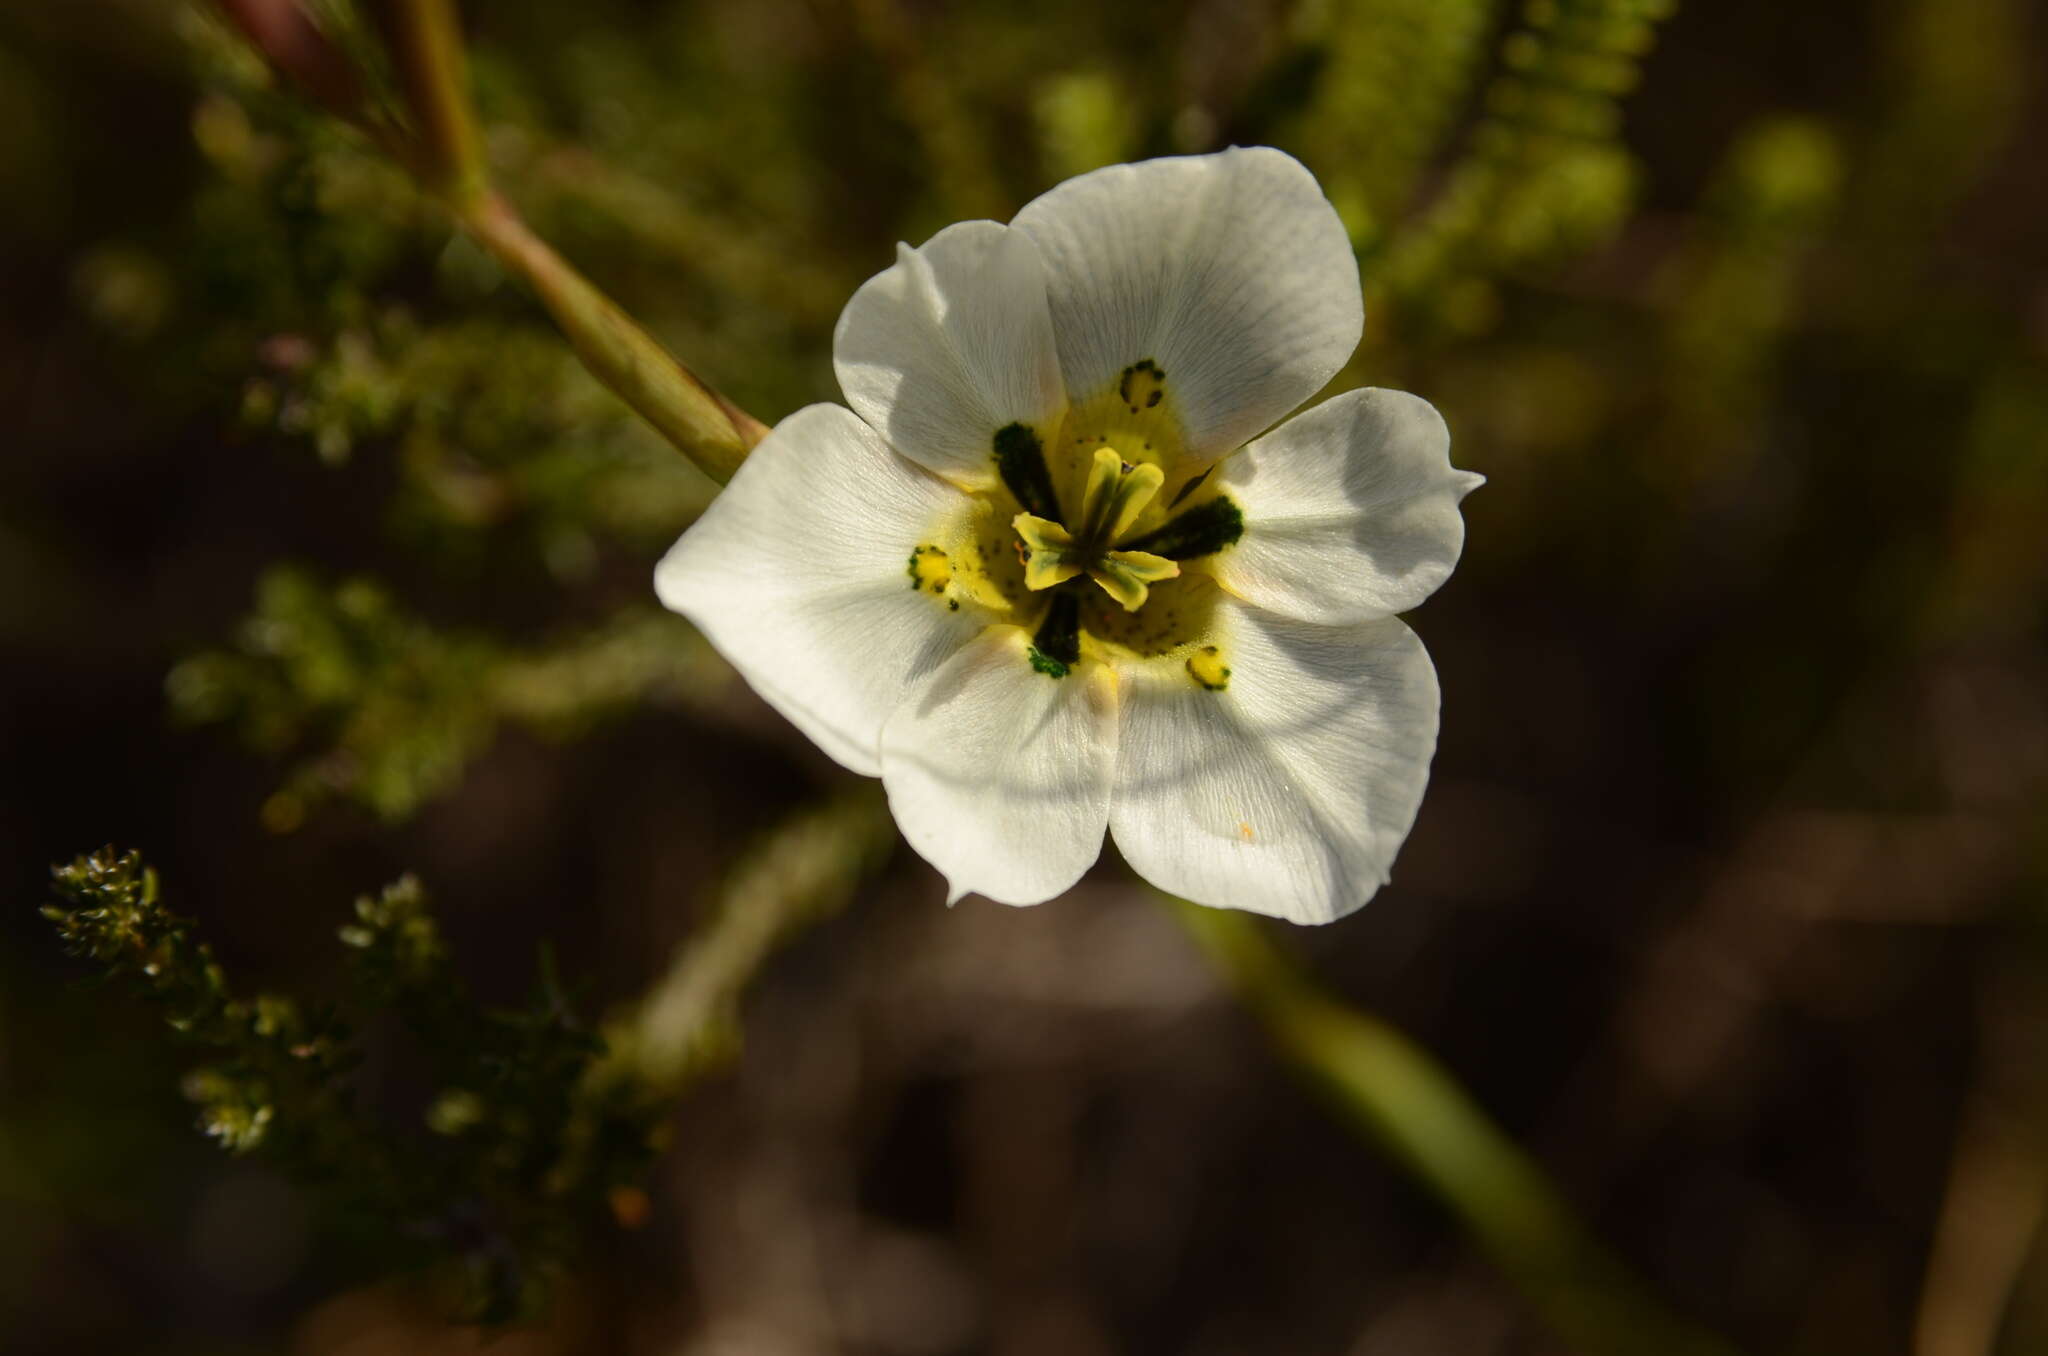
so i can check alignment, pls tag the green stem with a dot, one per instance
(426, 39)
(445, 151)
(704, 425)
(1391, 1090)
(426, 42)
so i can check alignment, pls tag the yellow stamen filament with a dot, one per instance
(1116, 494)
(1114, 497)
(1050, 556)
(1128, 576)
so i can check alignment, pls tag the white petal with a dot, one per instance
(1289, 792)
(796, 573)
(1350, 510)
(948, 345)
(999, 775)
(1232, 272)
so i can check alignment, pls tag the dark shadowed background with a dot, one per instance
(321, 562)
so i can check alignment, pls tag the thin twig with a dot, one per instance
(711, 430)
(445, 153)
(426, 42)
(801, 874)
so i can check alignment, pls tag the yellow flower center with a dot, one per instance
(1106, 492)
(1116, 494)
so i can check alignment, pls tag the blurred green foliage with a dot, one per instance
(490, 425)
(1544, 174)
(533, 1126)
(1670, 374)
(512, 1164)
(394, 708)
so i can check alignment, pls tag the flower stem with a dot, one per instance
(426, 40)
(445, 152)
(1389, 1089)
(426, 43)
(711, 430)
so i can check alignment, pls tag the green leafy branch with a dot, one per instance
(1373, 86)
(392, 710)
(115, 914)
(537, 1126)
(432, 133)
(482, 1183)
(493, 425)
(1545, 173)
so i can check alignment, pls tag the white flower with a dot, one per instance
(1045, 577)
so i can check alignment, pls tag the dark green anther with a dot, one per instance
(1202, 531)
(1020, 461)
(1057, 646)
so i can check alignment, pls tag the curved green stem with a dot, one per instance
(426, 39)
(1388, 1088)
(444, 150)
(708, 428)
(426, 43)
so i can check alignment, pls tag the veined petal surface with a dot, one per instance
(948, 345)
(1231, 273)
(796, 573)
(1288, 788)
(999, 775)
(1350, 510)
